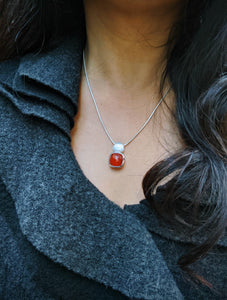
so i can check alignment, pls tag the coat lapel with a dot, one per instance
(57, 210)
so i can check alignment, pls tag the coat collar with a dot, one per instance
(52, 78)
(170, 231)
(59, 211)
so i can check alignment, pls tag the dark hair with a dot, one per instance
(195, 197)
(36, 25)
(196, 65)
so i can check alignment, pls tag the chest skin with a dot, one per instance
(92, 148)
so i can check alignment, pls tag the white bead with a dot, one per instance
(118, 147)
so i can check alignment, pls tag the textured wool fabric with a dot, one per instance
(60, 237)
(28, 274)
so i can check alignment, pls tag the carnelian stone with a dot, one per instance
(116, 160)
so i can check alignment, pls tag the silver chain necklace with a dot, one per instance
(117, 158)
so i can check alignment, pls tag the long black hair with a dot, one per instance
(195, 197)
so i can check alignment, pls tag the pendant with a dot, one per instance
(117, 158)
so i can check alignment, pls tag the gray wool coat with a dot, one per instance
(60, 238)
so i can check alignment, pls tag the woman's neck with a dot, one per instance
(126, 40)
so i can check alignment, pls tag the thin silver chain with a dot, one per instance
(100, 118)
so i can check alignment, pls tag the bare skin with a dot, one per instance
(125, 56)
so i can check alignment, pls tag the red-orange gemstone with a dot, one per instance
(116, 160)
